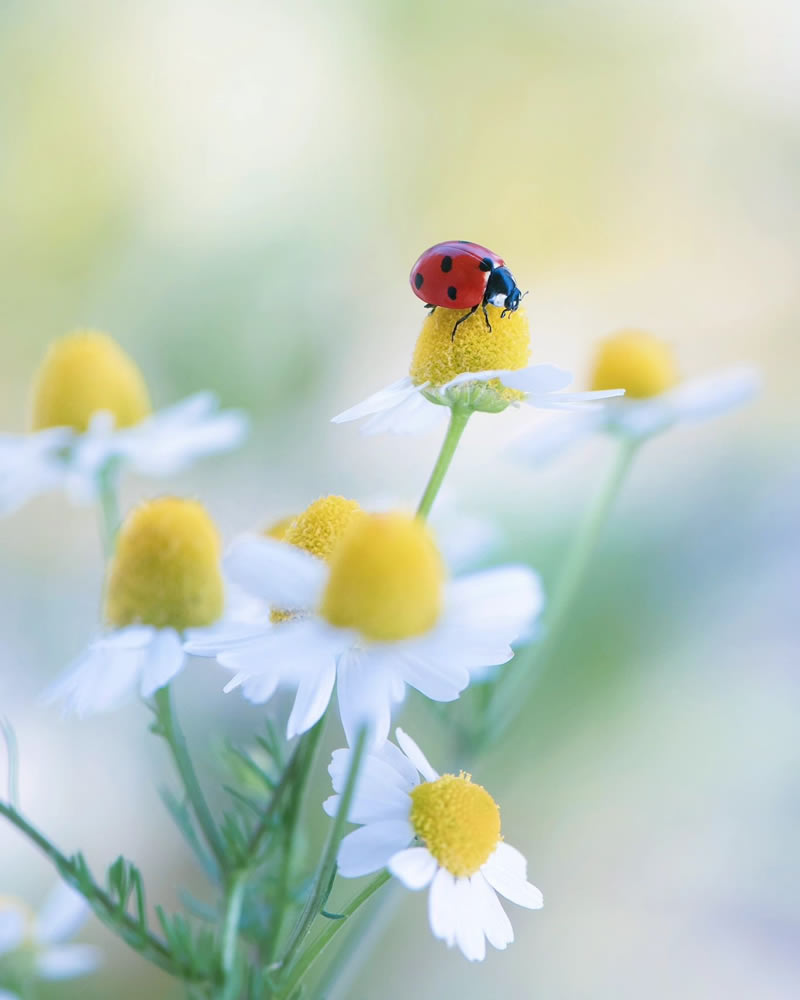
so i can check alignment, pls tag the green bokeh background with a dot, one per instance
(236, 192)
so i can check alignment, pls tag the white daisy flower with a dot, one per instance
(474, 369)
(434, 831)
(91, 414)
(377, 616)
(42, 938)
(655, 398)
(164, 584)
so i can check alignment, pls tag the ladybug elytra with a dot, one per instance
(462, 275)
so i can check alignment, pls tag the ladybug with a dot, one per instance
(462, 275)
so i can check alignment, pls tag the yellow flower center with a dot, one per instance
(278, 529)
(386, 578)
(439, 356)
(82, 373)
(636, 362)
(320, 527)
(165, 571)
(458, 821)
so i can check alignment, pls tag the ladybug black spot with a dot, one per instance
(418, 280)
(486, 265)
(447, 264)
(452, 292)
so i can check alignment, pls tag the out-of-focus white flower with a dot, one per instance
(656, 398)
(164, 584)
(437, 831)
(91, 414)
(475, 370)
(380, 616)
(43, 937)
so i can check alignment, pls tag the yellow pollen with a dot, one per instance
(386, 578)
(439, 357)
(458, 821)
(322, 524)
(278, 529)
(165, 571)
(636, 362)
(82, 373)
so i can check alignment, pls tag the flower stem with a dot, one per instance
(230, 929)
(109, 507)
(326, 871)
(524, 671)
(317, 946)
(458, 421)
(167, 726)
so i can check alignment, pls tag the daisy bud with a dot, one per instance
(440, 357)
(386, 578)
(637, 362)
(83, 373)
(165, 571)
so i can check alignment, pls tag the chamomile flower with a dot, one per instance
(656, 397)
(37, 943)
(361, 601)
(436, 832)
(91, 414)
(164, 583)
(474, 370)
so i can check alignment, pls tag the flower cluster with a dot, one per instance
(340, 600)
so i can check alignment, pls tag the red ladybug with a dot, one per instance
(462, 275)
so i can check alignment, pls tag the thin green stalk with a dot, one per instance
(317, 946)
(458, 421)
(310, 742)
(109, 507)
(167, 726)
(12, 754)
(106, 909)
(519, 678)
(230, 929)
(327, 867)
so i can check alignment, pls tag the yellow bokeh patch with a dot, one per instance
(634, 361)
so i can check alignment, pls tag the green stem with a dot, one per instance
(230, 929)
(109, 507)
(458, 421)
(106, 909)
(167, 726)
(306, 752)
(516, 683)
(318, 945)
(327, 867)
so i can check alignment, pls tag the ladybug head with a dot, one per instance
(501, 290)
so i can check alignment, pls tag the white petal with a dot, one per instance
(313, 694)
(62, 914)
(364, 691)
(369, 848)
(380, 793)
(280, 574)
(407, 774)
(536, 379)
(383, 399)
(67, 961)
(442, 906)
(8, 995)
(414, 415)
(495, 605)
(162, 661)
(259, 689)
(104, 677)
(31, 464)
(415, 755)
(12, 930)
(641, 417)
(701, 398)
(414, 866)
(224, 635)
(494, 919)
(439, 681)
(468, 925)
(376, 772)
(506, 871)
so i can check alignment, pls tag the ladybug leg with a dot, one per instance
(459, 322)
(432, 308)
(486, 317)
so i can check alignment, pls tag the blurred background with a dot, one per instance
(236, 192)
